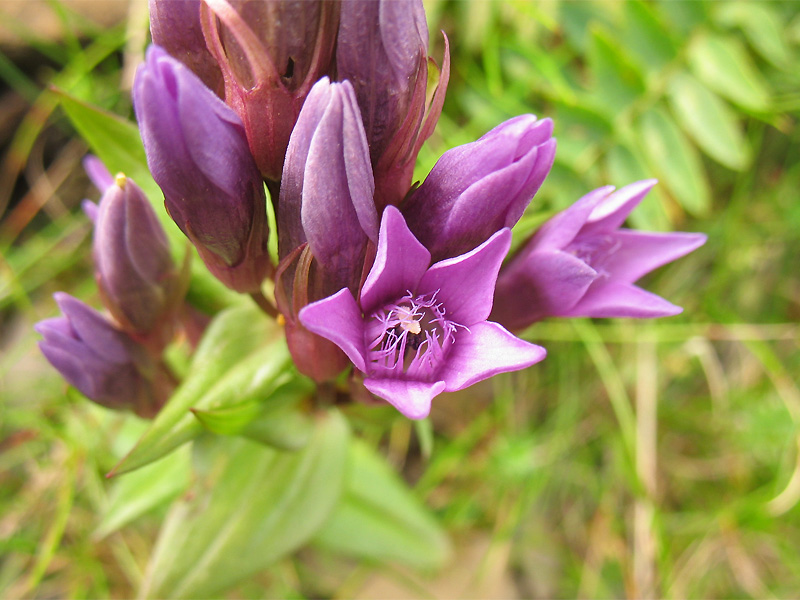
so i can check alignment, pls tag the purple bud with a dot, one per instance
(327, 190)
(198, 154)
(383, 51)
(105, 364)
(137, 278)
(477, 189)
(582, 264)
(175, 26)
(271, 53)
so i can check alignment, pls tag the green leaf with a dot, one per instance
(275, 422)
(684, 17)
(579, 129)
(709, 122)
(576, 18)
(380, 519)
(117, 143)
(255, 506)
(140, 492)
(241, 357)
(646, 39)
(617, 83)
(675, 161)
(625, 166)
(762, 26)
(724, 65)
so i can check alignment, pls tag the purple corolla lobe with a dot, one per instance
(581, 263)
(419, 330)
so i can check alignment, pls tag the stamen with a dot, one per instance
(410, 337)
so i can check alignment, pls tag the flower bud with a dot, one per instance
(175, 26)
(326, 218)
(137, 278)
(476, 189)
(388, 68)
(327, 189)
(104, 363)
(198, 154)
(270, 53)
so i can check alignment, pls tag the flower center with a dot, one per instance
(409, 338)
(594, 251)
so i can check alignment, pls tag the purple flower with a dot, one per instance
(271, 53)
(137, 278)
(419, 330)
(327, 188)
(582, 264)
(175, 26)
(476, 189)
(104, 363)
(382, 49)
(198, 154)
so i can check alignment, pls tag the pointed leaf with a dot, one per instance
(274, 421)
(233, 363)
(723, 64)
(675, 162)
(256, 506)
(117, 143)
(709, 121)
(380, 519)
(140, 492)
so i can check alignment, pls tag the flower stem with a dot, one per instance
(264, 304)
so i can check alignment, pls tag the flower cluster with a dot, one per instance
(323, 106)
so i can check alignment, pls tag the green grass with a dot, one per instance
(639, 459)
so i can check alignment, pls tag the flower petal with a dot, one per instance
(94, 330)
(484, 350)
(338, 319)
(560, 230)
(640, 252)
(412, 398)
(399, 264)
(465, 284)
(613, 210)
(543, 284)
(614, 299)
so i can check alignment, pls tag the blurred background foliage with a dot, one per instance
(641, 459)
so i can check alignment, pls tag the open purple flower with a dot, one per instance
(420, 330)
(581, 264)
